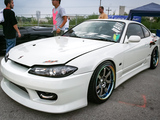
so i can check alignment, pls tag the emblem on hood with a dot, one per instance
(50, 61)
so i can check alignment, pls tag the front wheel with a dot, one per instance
(154, 58)
(102, 83)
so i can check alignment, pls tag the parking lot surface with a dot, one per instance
(136, 99)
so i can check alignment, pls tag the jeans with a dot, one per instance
(10, 43)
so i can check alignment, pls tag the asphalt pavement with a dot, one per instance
(136, 99)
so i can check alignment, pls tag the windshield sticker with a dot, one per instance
(117, 27)
(115, 30)
(116, 36)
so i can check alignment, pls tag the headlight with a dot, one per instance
(53, 71)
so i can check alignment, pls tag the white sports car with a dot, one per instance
(63, 73)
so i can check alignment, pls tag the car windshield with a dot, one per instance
(99, 30)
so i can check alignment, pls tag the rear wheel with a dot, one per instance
(102, 83)
(154, 58)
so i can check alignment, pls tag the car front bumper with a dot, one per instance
(22, 87)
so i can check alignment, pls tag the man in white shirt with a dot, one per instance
(67, 23)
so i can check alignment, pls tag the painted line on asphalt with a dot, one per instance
(142, 106)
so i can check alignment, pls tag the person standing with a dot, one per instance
(67, 24)
(10, 25)
(59, 18)
(102, 14)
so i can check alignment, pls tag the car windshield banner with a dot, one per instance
(123, 17)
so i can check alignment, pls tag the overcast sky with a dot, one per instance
(75, 6)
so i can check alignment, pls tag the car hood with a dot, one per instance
(54, 50)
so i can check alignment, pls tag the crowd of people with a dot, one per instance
(60, 21)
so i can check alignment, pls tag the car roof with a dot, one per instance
(118, 20)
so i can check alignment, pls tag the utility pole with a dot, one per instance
(108, 10)
(100, 2)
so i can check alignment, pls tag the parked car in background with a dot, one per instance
(28, 34)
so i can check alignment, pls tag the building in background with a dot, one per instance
(121, 10)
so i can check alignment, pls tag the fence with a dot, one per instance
(46, 19)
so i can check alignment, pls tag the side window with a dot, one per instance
(146, 32)
(134, 29)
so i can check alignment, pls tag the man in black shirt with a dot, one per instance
(10, 25)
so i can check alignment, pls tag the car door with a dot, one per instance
(135, 52)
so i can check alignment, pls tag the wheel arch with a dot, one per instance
(110, 60)
(152, 65)
(103, 61)
(95, 70)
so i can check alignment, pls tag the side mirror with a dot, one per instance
(153, 34)
(134, 38)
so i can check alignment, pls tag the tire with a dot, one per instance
(102, 83)
(154, 58)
